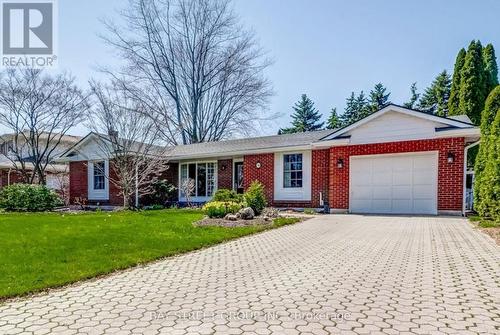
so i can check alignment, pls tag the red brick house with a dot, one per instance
(396, 160)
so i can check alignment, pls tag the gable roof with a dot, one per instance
(450, 122)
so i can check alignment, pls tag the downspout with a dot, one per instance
(8, 177)
(464, 192)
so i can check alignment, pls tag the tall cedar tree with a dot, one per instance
(486, 174)
(379, 97)
(490, 67)
(473, 85)
(305, 117)
(455, 84)
(333, 121)
(414, 96)
(435, 97)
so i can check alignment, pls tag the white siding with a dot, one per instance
(294, 194)
(394, 126)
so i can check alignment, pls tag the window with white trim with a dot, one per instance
(292, 171)
(99, 175)
(203, 176)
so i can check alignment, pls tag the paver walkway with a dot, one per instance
(332, 274)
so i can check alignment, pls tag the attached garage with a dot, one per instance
(394, 184)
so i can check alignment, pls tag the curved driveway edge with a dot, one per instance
(335, 274)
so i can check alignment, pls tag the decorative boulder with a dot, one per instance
(246, 213)
(271, 212)
(231, 217)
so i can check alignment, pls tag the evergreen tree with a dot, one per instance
(472, 87)
(489, 144)
(435, 97)
(455, 84)
(413, 96)
(333, 120)
(305, 117)
(350, 110)
(378, 97)
(490, 68)
(357, 107)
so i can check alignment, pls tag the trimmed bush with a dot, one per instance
(29, 198)
(219, 209)
(224, 194)
(255, 197)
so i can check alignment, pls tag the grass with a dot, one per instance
(484, 223)
(43, 250)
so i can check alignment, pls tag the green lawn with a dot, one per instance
(44, 250)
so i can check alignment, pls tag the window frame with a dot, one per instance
(210, 182)
(99, 173)
(291, 171)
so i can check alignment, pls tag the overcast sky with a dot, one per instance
(323, 48)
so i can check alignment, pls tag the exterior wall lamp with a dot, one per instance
(223, 167)
(451, 157)
(340, 163)
(258, 165)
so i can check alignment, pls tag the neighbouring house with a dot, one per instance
(57, 173)
(396, 160)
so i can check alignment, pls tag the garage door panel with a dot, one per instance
(381, 178)
(400, 206)
(361, 179)
(360, 192)
(401, 184)
(382, 206)
(423, 206)
(401, 192)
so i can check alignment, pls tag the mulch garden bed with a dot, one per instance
(257, 221)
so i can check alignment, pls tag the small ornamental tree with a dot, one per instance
(255, 197)
(487, 184)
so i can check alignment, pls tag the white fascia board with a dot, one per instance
(331, 143)
(459, 132)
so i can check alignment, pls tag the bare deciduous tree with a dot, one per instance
(198, 71)
(38, 109)
(128, 140)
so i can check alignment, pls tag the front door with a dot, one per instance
(238, 177)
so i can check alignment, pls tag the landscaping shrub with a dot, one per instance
(31, 198)
(224, 194)
(219, 209)
(163, 194)
(255, 197)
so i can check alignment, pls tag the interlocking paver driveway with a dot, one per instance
(333, 274)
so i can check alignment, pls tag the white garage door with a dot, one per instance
(397, 184)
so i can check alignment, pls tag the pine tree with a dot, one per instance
(490, 68)
(305, 117)
(334, 120)
(455, 84)
(378, 97)
(414, 96)
(482, 185)
(435, 97)
(472, 87)
(357, 107)
(350, 110)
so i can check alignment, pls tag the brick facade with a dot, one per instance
(264, 174)
(450, 175)
(225, 174)
(78, 181)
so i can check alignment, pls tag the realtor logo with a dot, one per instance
(28, 28)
